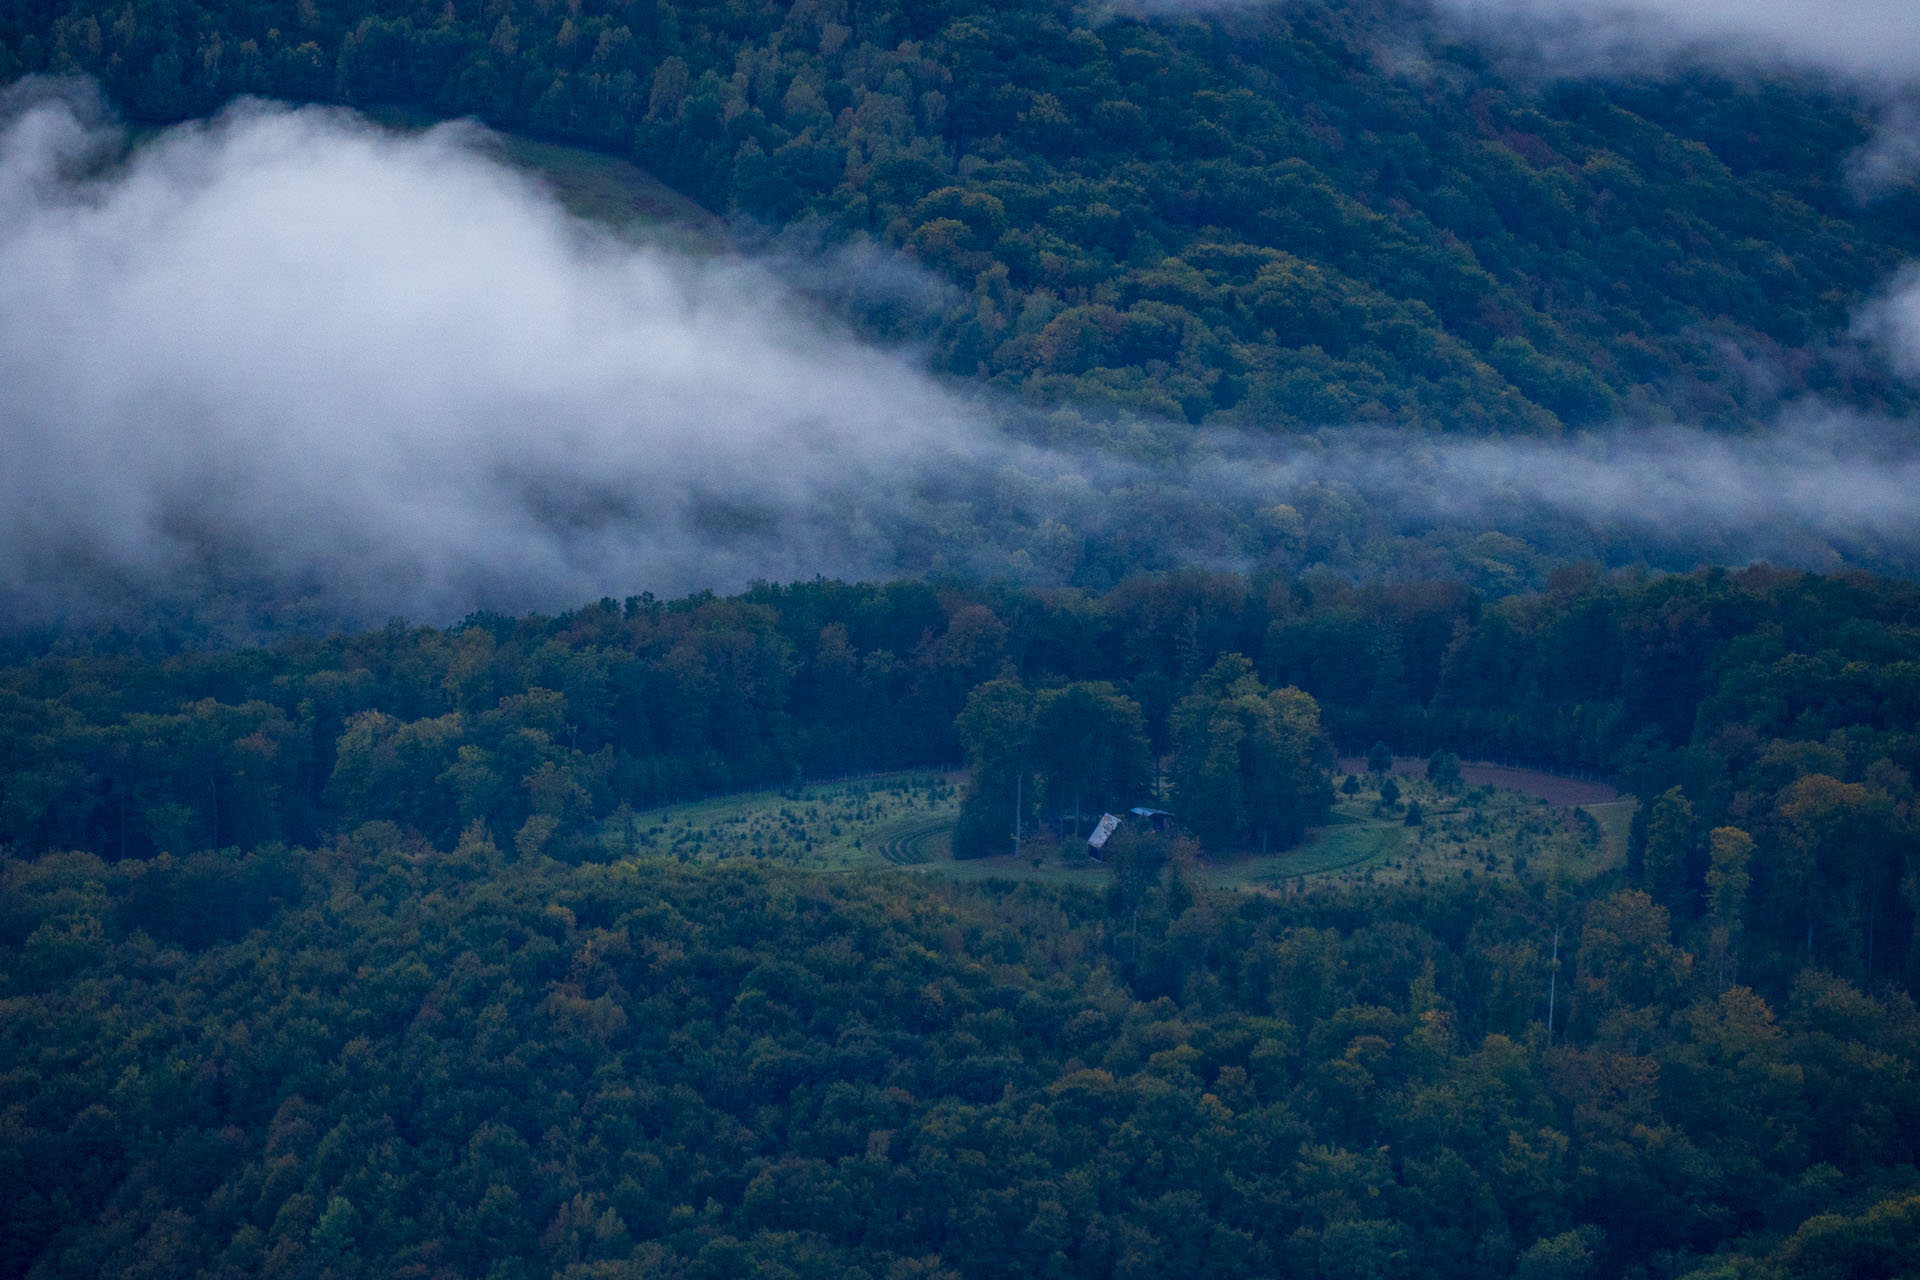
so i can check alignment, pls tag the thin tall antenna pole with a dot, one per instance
(1019, 777)
(1553, 982)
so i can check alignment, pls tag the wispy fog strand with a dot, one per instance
(1855, 39)
(1867, 47)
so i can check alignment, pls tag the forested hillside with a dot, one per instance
(279, 995)
(374, 952)
(1781, 704)
(1276, 215)
(452, 1063)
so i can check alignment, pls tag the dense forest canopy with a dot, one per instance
(1735, 688)
(1273, 215)
(354, 953)
(313, 965)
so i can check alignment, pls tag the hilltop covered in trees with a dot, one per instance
(1279, 215)
(278, 1001)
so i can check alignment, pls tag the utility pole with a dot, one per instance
(1019, 778)
(1553, 981)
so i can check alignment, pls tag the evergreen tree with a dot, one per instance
(1669, 852)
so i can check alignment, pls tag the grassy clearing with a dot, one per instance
(617, 194)
(900, 818)
(1339, 848)
(597, 187)
(1614, 819)
(1043, 868)
(1480, 831)
(905, 820)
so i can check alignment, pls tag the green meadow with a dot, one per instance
(905, 821)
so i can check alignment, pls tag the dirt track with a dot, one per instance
(1551, 787)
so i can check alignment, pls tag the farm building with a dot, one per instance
(1143, 818)
(1152, 819)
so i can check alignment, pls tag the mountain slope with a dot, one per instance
(1284, 216)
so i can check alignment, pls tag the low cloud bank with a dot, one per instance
(393, 367)
(287, 353)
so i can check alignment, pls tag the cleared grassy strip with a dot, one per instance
(905, 820)
(1345, 847)
(1087, 874)
(601, 188)
(1479, 831)
(919, 845)
(831, 826)
(619, 195)
(1615, 820)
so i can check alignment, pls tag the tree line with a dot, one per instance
(1778, 706)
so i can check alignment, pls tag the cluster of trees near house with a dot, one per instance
(305, 969)
(1312, 213)
(1248, 762)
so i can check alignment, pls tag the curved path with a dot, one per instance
(909, 848)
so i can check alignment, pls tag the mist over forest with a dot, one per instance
(349, 372)
(959, 639)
